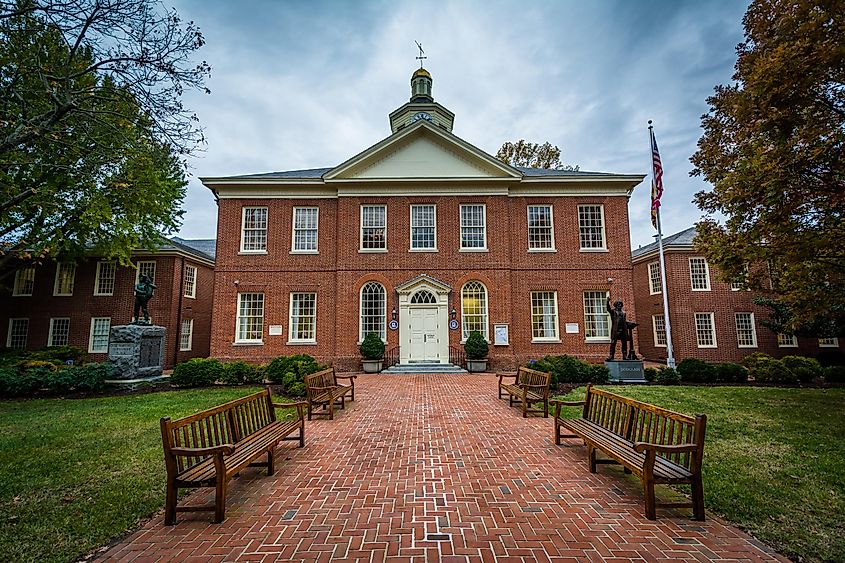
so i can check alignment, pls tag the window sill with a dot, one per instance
(542, 250)
(657, 293)
(473, 250)
(22, 295)
(593, 250)
(249, 343)
(787, 345)
(304, 252)
(104, 295)
(693, 289)
(660, 346)
(708, 346)
(189, 296)
(301, 342)
(62, 295)
(597, 341)
(372, 250)
(184, 349)
(422, 250)
(251, 252)
(545, 341)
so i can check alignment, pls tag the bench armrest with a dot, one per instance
(666, 449)
(345, 377)
(224, 449)
(290, 405)
(567, 403)
(503, 375)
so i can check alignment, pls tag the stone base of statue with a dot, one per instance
(136, 351)
(625, 371)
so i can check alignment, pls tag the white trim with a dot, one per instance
(239, 340)
(293, 249)
(753, 329)
(91, 349)
(361, 227)
(50, 334)
(597, 339)
(411, 247)
(56, 281)
(9, 333)
(712, 329)
(834, 343)
(551, 207)
(651, 289)
(190, 322)
(361, 310)
(544, 339)
(603, 247)
(243, 229)
(291, 339)
(486, 313)
(193, 293)
(97, 279)
(706, 273)
(463, 248)
(16, 287)
(793, 340)
(138, 270)
(654, 330)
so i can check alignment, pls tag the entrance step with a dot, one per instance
(423, 368)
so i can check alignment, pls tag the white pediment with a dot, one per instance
(423, 281)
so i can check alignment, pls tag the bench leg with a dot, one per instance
(557, 432)
(546, 408)
(170, 504)
(591, 453)
(525, 408)
(301, 433)
(626, 470)
(331, 409)
(648, 491)
(342, 402)
(309, 410)
(697, 498)
(220, 500)
(270, 468)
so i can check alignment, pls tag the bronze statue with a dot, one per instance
(632, 355)
(620, 329)
(143, 293)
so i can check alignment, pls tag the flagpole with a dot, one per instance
(670, 357)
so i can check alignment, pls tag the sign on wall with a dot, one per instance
(453, 324)
(571, 328)
(500, 335)
(276, 330)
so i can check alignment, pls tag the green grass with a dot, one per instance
(76, 473)
(774, 460)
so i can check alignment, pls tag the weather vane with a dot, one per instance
(420, 57)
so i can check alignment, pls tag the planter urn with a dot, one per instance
(372, 366)
(476, 366)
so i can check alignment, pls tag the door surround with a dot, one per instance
(406, 292)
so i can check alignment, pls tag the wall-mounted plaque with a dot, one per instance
(571, 328)
(453, 324)
(500, 335)
(276, 330)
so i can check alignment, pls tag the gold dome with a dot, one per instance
(421, 72)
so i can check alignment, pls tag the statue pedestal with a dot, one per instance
(137, 351)
(625, 371)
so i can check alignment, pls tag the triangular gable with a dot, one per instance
(423, 280)
(422, 150)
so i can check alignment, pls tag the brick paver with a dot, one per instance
(434, 468)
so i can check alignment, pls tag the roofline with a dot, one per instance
(656, 251)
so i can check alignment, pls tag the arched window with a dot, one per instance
(474, 309)
(423, 297)
(373, 309)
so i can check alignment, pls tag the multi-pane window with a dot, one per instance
(473, 227)
(699, 274)
(59, 332)
(104, 281)
(65, 275)
(254, 229)
(373, 310)
(787, 340)
(746, 332)
(305, 228)
(596, 318)
(190, 289)
(186, 335)
(423, 227)
(544, 324)
(654, 285)
(146, 268)
(373, 227)
(659, 326)
(98, 340)
(18, 333)
(250, 326)
(740, 283)
(591, 227)
(828, 342)
(540, 228)
(474, 309)
(705, 330)
(24, 281)
(303, 317)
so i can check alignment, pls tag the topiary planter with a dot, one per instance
(476, 366)
(372, 366)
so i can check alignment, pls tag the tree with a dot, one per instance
(532, 155)
(773, 149)
(93, 134)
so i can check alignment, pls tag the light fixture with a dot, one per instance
(454, 313)
(393, 314)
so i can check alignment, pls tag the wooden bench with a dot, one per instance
(657, 445)
(530, 386)
(208, 448)
(322, 389)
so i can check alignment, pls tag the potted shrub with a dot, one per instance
(476, 352)
(372, 352)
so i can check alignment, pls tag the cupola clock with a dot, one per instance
(421, 115)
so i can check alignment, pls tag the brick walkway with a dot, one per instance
(419, 470)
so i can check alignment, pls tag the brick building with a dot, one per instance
(77, 303)
(710, 320)
(426, 230)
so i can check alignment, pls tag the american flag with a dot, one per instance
(657, 181)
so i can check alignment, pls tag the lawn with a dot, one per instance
(773, 460)
(75, 473)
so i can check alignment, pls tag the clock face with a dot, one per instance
(421, 115)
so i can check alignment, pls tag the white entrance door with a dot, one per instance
(424, 345)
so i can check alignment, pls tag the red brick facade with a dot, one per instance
(168, 307)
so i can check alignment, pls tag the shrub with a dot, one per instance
(567, 369)
(599, 373)
(14, 383)
(288, 371)
(650, 374)
(372, 348)
(805, 369)
(696, 371)
(59, 354)
(731, 373)
(33, 364)
(197, 372)
(91, 377)
(751, 360)
(668, 376)
(834, 374)
(240, 372)
(771, 371)
(475, 346)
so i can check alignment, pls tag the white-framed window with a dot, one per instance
(145, 267)
(303, 317)
(658, 325)
(743, 278)
(699, 273)
(18, 334)
(654, 285)
(190, 289)
(373, 310)
(596, 317)
(541, 235)
(474, 226)
(373, 228)
(306, 223)
(186, 335)
(787, 340)
(98, 339)
(544, 323)
(591, 227)
(254, 230)
(250, 323)
(65, 276)
(424, 227)
(59, 331)
(474, 309)
(24, 282)
(746, 331)
(705, 330)
(828, 343)
(104, 280)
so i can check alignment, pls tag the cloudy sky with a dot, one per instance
(308, 84)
